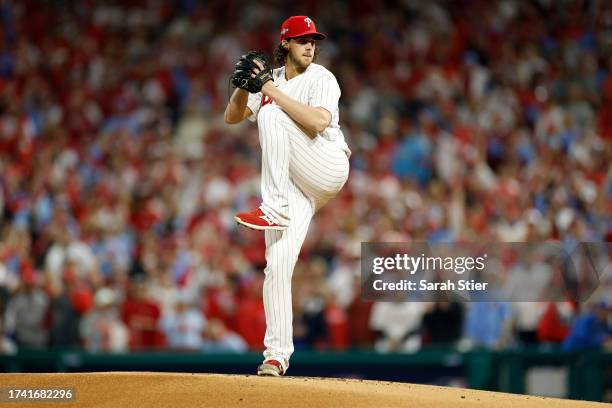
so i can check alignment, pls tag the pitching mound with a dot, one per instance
(119, 390)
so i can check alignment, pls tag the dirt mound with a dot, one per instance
(118, 390)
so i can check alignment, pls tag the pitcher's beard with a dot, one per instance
(299, 65)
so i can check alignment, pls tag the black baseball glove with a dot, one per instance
(242, 76)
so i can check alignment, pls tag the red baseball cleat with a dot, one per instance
(258, 220)
(272, 368)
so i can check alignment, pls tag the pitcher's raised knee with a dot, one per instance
(272, 113)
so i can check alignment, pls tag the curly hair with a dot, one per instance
(280, 55)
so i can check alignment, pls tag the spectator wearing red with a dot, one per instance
(336, 319)
(554, 325)
(250, 319)
(141, 315)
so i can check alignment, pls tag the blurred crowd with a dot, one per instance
(480, 120)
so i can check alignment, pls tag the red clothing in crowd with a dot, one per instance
(251, 321)
(359, 322)
(142, 317)
(338, 325)
(221, 303)
(552, 328)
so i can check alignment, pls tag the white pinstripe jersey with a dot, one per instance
(316, 87)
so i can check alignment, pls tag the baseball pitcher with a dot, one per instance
(304, 163)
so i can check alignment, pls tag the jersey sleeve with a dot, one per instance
(325, 92)
(254, 103)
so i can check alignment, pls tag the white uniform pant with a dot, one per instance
(299, 175)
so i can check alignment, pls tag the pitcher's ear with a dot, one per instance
(285, 44)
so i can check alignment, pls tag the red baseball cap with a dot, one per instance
(298, 26)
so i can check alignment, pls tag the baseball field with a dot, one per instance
(143, 389)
